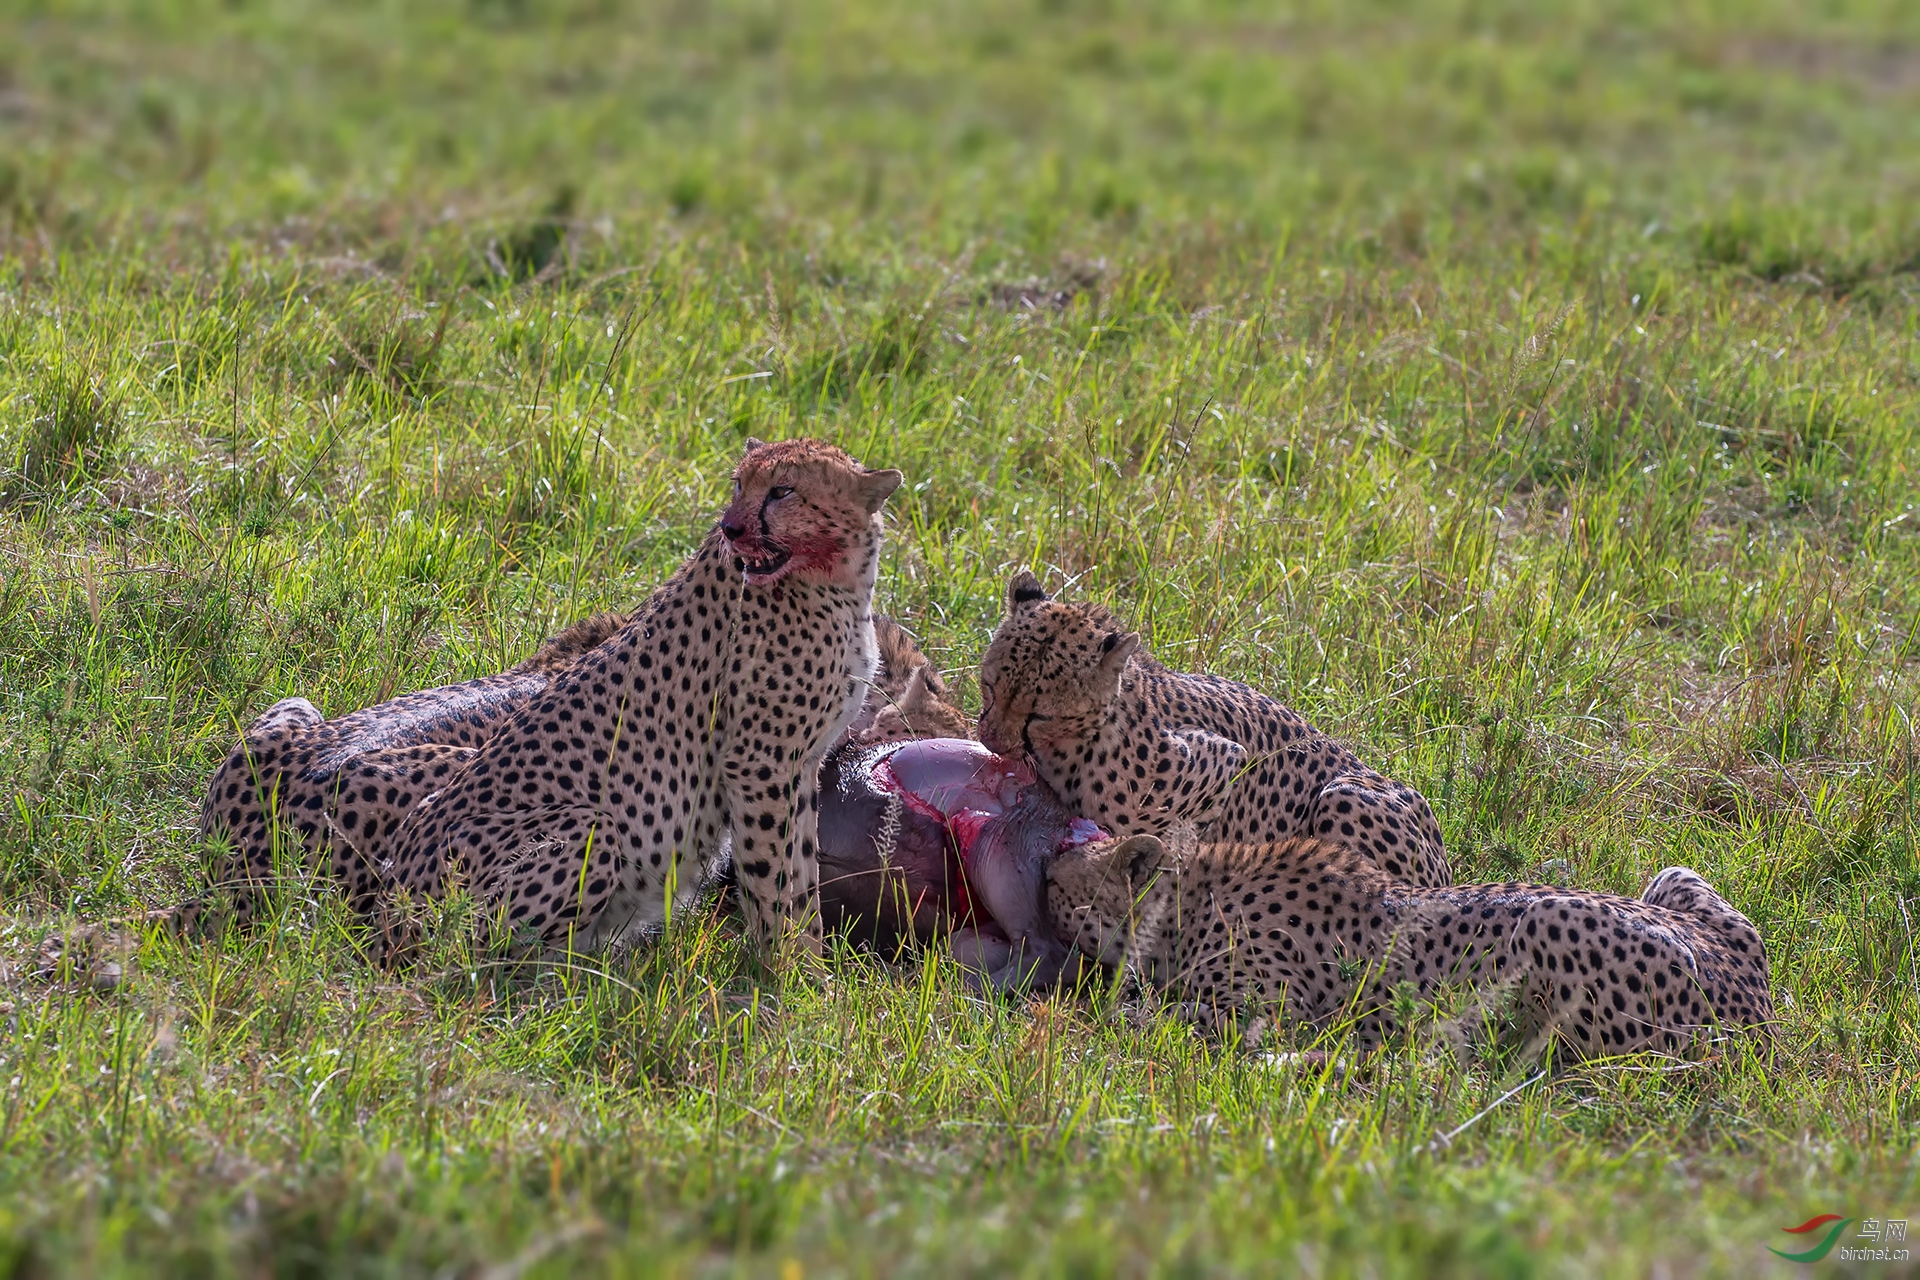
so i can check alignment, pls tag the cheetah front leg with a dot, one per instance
(1388, 822)
(776, 852)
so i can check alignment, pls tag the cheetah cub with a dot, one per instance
(1136, 747)
(705, 717)
(1321, 933)
(908, 699)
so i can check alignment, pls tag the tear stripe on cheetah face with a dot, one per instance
(706, 716)
(1135, 747)
(1319, 932)
(333, 792)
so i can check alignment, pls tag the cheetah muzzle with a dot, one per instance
(767, 570)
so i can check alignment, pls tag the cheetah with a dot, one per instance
(336, 791)
(1136, 747)
(1321, 932)
(705, 718)
(907, 699)
(339, 789)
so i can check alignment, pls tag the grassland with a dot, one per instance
(1527, 392)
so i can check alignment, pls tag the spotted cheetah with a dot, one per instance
(340, 788)
(337, 790)
(705, 717)
(907, 699)
(1136, 747)
(1321, 932)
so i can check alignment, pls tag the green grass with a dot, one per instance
(1526, 392)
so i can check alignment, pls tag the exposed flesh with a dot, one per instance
(899, 822)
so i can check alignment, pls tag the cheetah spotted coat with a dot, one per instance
(1137, 747)
(1316, 931)
(609, 795)
(337, 790)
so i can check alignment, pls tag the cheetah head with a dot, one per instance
(803, 507)
(924, 710)
(1051, 671)
(1094, 893)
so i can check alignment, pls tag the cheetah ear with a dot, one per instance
(876, 486)
(1023, 588)
(753, 442)
(925, 685)
(919, 694)
(1141, 857)
(1115, 648)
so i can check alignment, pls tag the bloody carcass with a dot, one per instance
(942, 836)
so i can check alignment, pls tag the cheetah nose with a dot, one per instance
(731, 530)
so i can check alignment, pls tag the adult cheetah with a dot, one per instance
(1137, 747)
(337, 790)
(1320, 932)
(705, 717)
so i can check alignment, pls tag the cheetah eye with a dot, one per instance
(778, 492)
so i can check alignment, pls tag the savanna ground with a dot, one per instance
(1527, 392)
